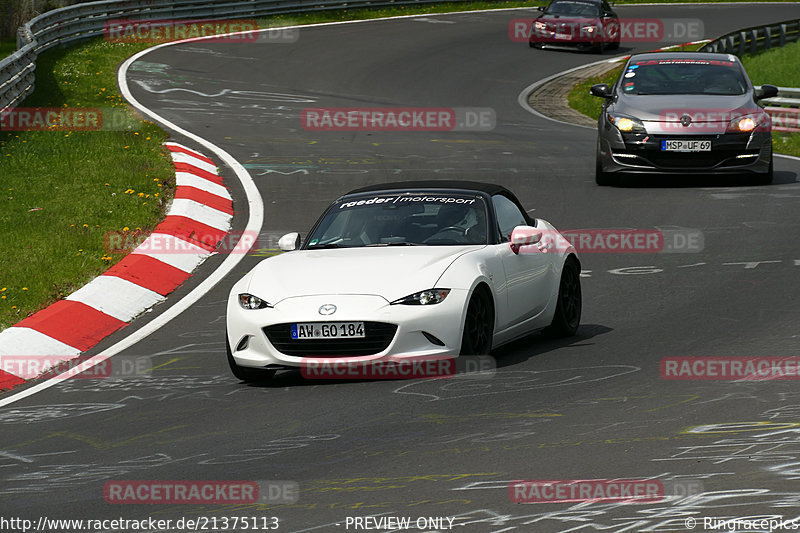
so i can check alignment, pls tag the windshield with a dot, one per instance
(402, 219)
(574, 9)
(683, 76)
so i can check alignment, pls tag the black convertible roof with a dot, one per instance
(489, 188)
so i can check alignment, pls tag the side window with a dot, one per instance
(508, 216)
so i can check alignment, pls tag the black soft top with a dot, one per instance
(457, 185)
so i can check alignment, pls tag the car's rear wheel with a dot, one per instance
(243, 373)
(479, 325)
(567, 317)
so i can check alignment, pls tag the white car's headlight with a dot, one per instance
(248, 301)
(429, 297)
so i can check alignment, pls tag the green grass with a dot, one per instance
(63, 191)
(778, 66)
(581, 100)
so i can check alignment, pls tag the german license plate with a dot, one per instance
(685, 146)
(328, 330)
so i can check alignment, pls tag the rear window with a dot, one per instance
(683, 76)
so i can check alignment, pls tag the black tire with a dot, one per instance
(766, 179)
(246, 374)
(614, 46)
(478, 325)
(567, 317)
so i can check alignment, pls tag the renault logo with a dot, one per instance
(327, 309)
(686, 120)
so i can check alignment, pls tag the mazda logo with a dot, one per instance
(686, 120)
(327, 309)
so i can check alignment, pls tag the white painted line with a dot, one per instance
(26, 341)
(173, 251)
(209, 216)
(186, 179)
(116, 297)
(179, 157)
(192, 152)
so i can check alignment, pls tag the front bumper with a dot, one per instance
(640, 153)
(260, 339)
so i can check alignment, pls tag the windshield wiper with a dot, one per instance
(324, 246)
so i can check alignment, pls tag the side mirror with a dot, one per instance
(541, 8)
(767, 91)
(523, 236)
(289, 242)
(602, 90)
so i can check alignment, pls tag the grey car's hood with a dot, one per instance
(707, 110)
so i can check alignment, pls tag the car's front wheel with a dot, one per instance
(766, 179)
(244, 373)
(602, 177)
(478, 326)
(567, 317)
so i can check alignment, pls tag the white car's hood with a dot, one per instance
(390, 272)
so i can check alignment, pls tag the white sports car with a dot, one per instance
(405, 270)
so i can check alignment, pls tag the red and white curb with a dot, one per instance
(198, 219)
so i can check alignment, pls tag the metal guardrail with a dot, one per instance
(81, 21)
(784, 109)
(756, 39)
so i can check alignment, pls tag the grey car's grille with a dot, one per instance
(377, 337)
(724, 149)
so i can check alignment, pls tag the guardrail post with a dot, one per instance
(767, 38)
(754, 41)
(783, 35)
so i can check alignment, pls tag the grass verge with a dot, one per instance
(62, 191)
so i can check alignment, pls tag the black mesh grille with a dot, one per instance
(377, 337)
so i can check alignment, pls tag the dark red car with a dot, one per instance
(576, 24)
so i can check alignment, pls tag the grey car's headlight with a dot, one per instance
(429, 297)
(625, 123)
(248, 301)
(748, 123)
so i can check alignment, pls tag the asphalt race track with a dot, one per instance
(592, 407)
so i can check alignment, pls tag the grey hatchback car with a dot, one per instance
(683, 113)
